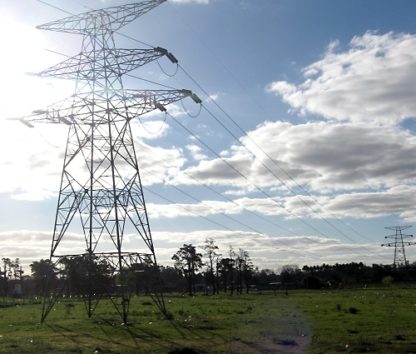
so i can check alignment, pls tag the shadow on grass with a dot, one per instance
(185, 334)
(76, 336)
(171, 335)
(110, 335)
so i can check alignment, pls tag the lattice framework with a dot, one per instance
(399, 243)
(101, 189)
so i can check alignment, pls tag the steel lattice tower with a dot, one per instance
(399, 244)
(101, 190)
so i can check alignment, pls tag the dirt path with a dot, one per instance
(288, 333)
(294, 333)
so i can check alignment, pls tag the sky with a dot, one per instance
(307, 127)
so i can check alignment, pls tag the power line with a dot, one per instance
(188, 210)
(234, 202)
(245, 133)
(269, 158)
(225, 215)
(217, 58)
(180, 190)
(241, 174)
(218, 223)
(129, 37)
(246, 178)
(54, 7)
(240, 84)
(136, 77)
(276, 176)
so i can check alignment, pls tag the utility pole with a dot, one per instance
(101, 196)
(399, 243)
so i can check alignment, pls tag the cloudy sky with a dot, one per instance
(303, 150)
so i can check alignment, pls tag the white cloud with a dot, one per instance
(214, 97)
(273, 252)
(398, 200)
(149, 129)
(20, 92)
(218, 171)
(321, 156)
(178, 111)
(33, 158)
(32, 245)
(372, 81)
(265, 250)
(158, 164)
(264, 206)
(236, 192)
(368, 168)
(196, 152)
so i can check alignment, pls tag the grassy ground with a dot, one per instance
(360, 321)
(215, 324)
(352, 321)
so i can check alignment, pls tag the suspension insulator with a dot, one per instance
(172, 58)
(196, 98)
(160, 106)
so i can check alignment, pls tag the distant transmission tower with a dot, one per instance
(101, 195)
(399, 244)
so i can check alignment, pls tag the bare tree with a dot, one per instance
(12, 271)
(244, 269)
(210, 249)
(6, 274)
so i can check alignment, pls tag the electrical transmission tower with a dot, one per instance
(399, 244)
(101, 195)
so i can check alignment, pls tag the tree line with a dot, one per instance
(196, 269)
(232, 273)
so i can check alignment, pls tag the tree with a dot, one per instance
(290, 274)
(87, 275)
(172, 278)
(210, 252)
(12, 270)
(188, 261)
(244, 269)
(143, 276)
(226, 270)
(42, 271)
(263, 278)
(5, 275)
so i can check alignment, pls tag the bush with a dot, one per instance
(387, 280)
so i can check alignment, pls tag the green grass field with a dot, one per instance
(360, 321)
(373, 321)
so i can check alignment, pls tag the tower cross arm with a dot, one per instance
(48, 115)
(394, 237)
(125, 105)
(82, 67)
(142, 102)
(398, 228)
(103, 20)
